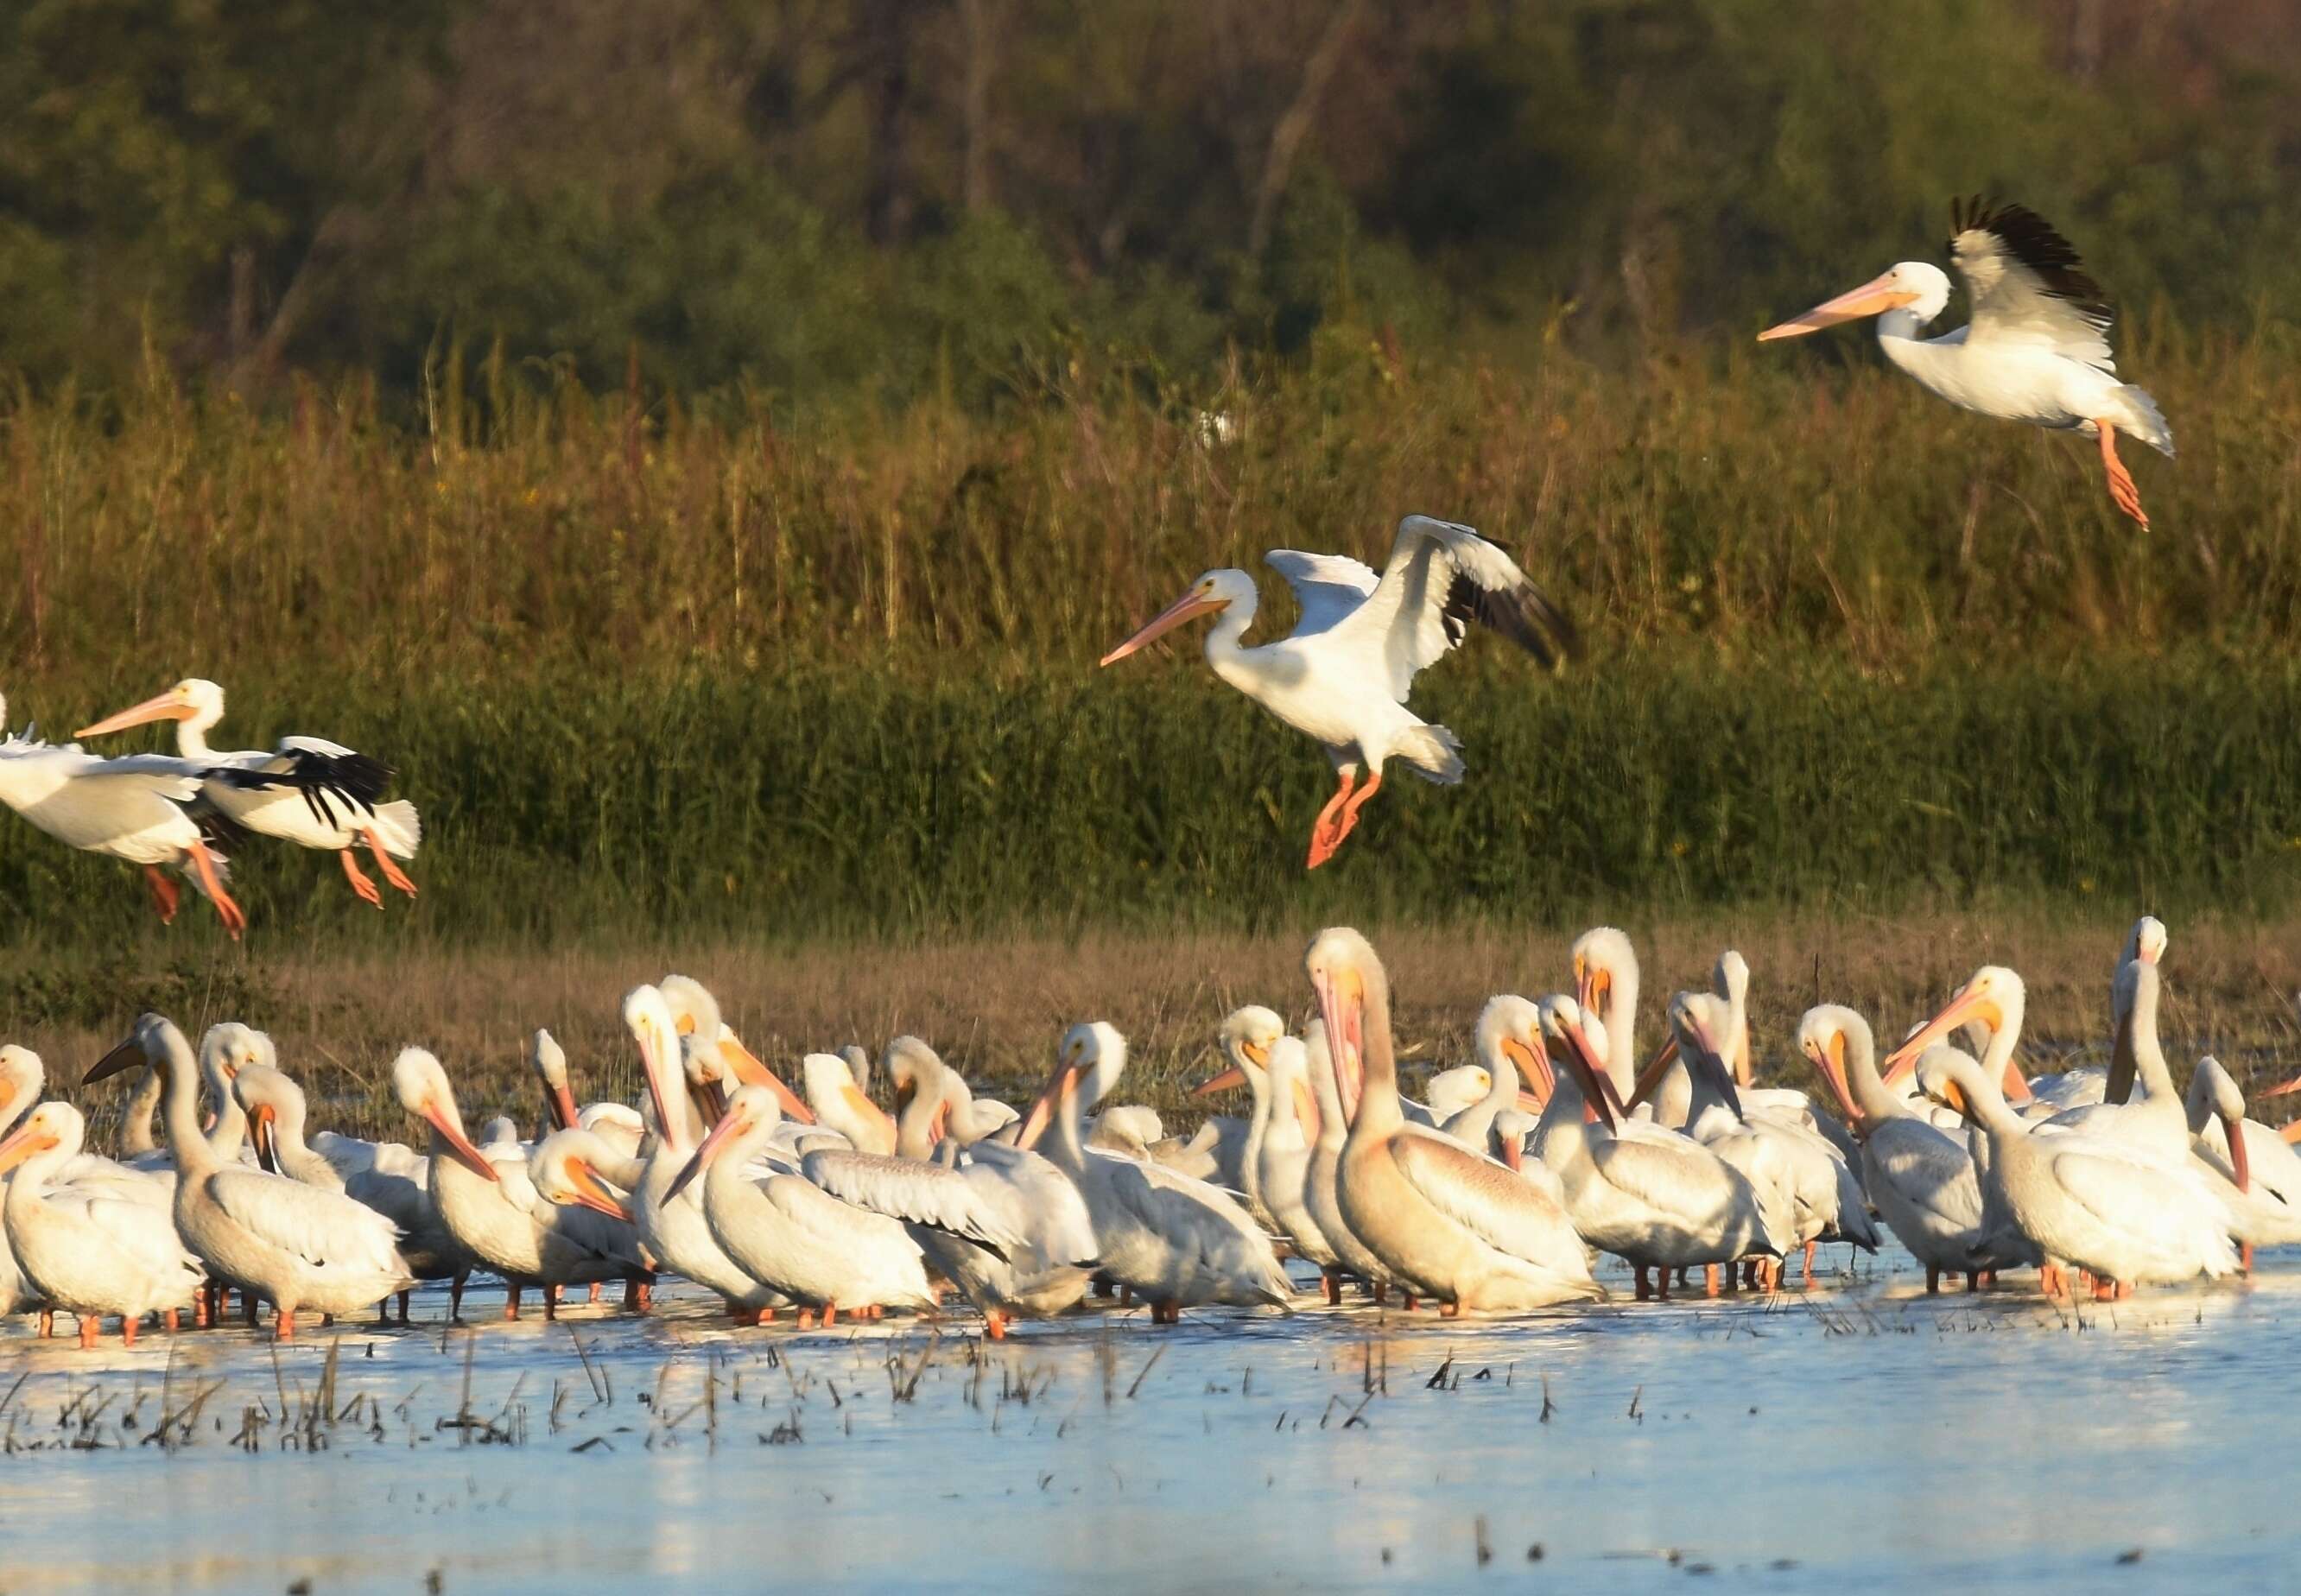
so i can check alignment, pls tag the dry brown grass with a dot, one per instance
(995, 1008)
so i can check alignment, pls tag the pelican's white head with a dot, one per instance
(420, 1083)
(195, 701)
(1920, 288)
(2145, 941)
(1221, 588)
(1245, 1037)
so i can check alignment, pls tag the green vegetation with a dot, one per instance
(713, 806)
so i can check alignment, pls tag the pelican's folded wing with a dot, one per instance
(926, 1194)
(322, 1228)
(1508, 1213)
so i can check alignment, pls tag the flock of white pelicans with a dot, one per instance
(1493, 1196)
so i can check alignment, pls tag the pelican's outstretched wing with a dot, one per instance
(1441, 577)
(2026, 284)
(1329, 586)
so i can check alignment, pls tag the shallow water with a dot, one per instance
(1858, 1431)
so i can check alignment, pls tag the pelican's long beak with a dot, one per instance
(1533, 1068)
(1345, 1018)
(1714, 1063)
(267, 1142)
(561, 1102)
(167, 706)
(938, 1124)
(1590, 1074)
(126, 1057)
(1952, 1097)
(31, 1140)
(1650, 1078)
(2288, 1090)
(746, 1068)
(871, 1113)
(2241, 1166)
(465, 1153)
(722, 1133)
(1059, 1088)
(1967, 1005)
(1874, 297)
(1831, 1062)
(1190, 606)
(592, 1193)
(1226, 1081)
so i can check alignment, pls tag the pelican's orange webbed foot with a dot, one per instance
(392, 873)
(2122, 493)
(361, 884)
(230, 913)
(164, 893)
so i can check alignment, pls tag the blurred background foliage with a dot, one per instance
(827, 203)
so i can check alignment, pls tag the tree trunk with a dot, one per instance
(885, 42)
(1286, 138)
(983, 20)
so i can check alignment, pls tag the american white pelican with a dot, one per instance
(489, 1202)
(1175, 1242)
(86, 1250)
(1321, 1182)
(1460, 1227)
(697, 1021)
(1921, 1178)
(1651, 1196)
(2257, 1176)
(674, 1228)
(1343, 675)
(2154, 1122)
(144, 809)
(839, 1104)
(1606, 989)
(1995, 998)
(2034, 347)
(1004, 1225)
(2082, 1084)
(917, 1074)
(1245, 1037)
(2080, 1200)
(1810, 1194)
(338, 809)
(791, 1234)
(1290, 1136)
(296, 1246)
(1507, 1038)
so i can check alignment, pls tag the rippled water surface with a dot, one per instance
(1860, 1430)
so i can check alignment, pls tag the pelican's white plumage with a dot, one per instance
(2034, 348)
(88, 1249)
(1343, 675)
(1452, 1224)
(1175, 1242)
(295, 1245)
(335, 806)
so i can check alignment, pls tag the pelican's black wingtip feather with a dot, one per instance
(1523, 614)
(2034, 242)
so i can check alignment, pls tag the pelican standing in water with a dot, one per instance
(1175, 1242)
(1343, 675)
(341, 808)
(2034, 348)
(266, 1234)
(88, 1250)
(1461, 1227)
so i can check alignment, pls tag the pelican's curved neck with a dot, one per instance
(1333, 1130)
(1870, 1094)
(1621, 1019)
(930, 1087)
(1989, 1107)
(1379, 1114)
(180, 1110)
(192, 735)
(1224, 644)
(136, 1128)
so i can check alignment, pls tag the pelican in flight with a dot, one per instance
(149, 809)
(1343, 675)
(338, 809)
(2034, 349)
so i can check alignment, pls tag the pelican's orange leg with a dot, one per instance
(164, 893)
(2121, 490)
(1358, 802)
(1808, 1274)
(391, 871)
(995, 1324)
(128, 1329)
(283, 1325)
(511, 1303)
(226, 911)
(1333, 1286)
(1324, 835)
(361, 884)
(88, 1329)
